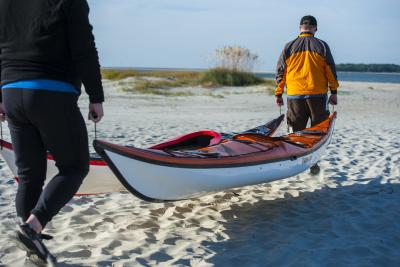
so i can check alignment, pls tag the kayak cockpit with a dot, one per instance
(193, 140)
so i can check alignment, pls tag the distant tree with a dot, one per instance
(368, 67)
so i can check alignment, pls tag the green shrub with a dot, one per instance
(226, 77)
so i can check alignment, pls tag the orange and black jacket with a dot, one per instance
(306, 67)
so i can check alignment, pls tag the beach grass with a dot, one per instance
(226, 77)
(142, 85)
(163, 92)
(114, 74)
(117, 74)
(212, 78)
(155, 87)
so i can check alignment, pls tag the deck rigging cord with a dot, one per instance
(1, 135)
(95, 131)
(94, 116)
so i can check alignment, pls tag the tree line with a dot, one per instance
(368, 67)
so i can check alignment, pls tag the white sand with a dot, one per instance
(347, 216)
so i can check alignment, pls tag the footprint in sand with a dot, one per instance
(84, 253)
(88, 235)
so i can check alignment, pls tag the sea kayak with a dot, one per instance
(186, 169)
(102, 180)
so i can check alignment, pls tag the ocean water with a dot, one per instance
(369, 77)
(356, 77)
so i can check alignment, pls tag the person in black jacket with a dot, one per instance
(47, 50)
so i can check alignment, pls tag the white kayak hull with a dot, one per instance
(100, 179)
(156, 182)
(160, 182)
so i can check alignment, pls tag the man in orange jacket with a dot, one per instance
(307, 69)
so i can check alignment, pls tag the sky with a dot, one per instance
(185, 33)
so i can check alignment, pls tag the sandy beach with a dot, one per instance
(349, 215)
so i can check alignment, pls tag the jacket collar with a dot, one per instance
(305, 34)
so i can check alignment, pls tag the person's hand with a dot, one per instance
(279, 101)
(333, 99)
(95, 112)
(2, 113)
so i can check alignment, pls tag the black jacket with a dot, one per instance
(49, 39)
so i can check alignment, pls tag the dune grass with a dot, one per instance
(161, 92)
(211, 78)
(159, 87)
(161, 84)
(225, 77)
(234, 67)
(116, 74)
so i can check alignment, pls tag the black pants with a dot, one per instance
(40, 122)
(301, 110)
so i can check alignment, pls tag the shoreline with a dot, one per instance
(194, 76)
(205, 69)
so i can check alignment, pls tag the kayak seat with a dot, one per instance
(257, 139)
(193, 140)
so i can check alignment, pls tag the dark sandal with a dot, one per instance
(32, 260)
(25, 239)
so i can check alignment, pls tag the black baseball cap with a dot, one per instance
(308, 20)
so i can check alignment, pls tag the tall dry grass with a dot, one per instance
(234, 66)
(235, 58)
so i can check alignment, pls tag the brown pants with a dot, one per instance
(300, 110)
